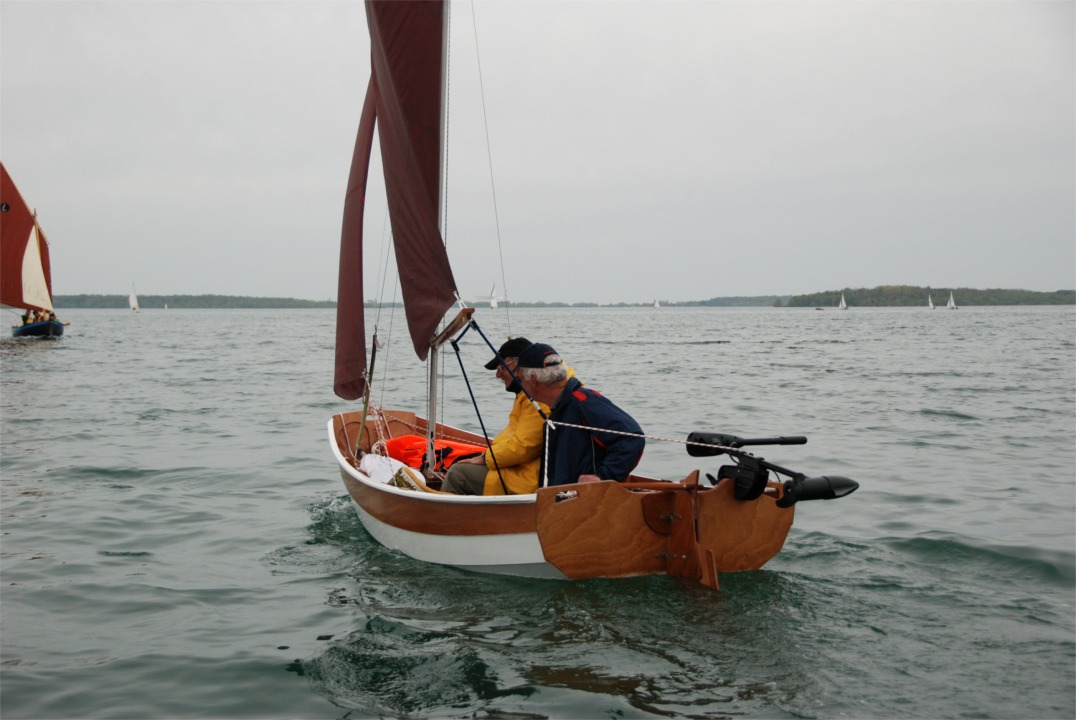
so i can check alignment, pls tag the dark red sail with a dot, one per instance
(25, 268)
(405, 96)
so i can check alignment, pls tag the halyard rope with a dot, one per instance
(381, 418)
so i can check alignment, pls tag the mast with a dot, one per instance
(431, 401)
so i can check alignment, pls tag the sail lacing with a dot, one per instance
(445, 116)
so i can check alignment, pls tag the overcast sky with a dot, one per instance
(639, 149)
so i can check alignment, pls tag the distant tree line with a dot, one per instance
(179, 302)
(751, 301)
(882, 296)
(911, 295)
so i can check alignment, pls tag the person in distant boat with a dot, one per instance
(579, 454)
(514, 451)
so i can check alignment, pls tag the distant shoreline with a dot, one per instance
(883, 296)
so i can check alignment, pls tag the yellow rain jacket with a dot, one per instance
(518, 449)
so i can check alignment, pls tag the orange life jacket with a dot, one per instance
(411, 451)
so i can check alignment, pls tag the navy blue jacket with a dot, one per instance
(574, 451)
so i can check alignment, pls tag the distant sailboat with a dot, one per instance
(657, 304)
(25, 270)
(492, 298)
(843, 305)
(930, 303)
(952, 303)
(132, 300)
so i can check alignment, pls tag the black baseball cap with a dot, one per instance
(511, 348)
(538, 355)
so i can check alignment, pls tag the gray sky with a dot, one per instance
(662, 149)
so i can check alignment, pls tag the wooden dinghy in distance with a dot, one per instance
(594, 530)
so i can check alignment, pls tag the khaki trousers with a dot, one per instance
(465, 479)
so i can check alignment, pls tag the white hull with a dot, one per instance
(517, 554)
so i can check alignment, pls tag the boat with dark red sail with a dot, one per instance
(683, 527)
(25, 267)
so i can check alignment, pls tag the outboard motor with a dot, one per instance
(824, 487)
(751, 474)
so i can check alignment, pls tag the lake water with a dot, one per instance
(177, 542)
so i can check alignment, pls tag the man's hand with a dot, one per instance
(479, 459)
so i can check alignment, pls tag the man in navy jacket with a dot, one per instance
(581, 448)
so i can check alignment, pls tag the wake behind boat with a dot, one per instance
(25, 267)
(677, 526)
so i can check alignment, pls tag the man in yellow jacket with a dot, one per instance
(516, 449)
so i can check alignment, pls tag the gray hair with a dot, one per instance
(553, 372)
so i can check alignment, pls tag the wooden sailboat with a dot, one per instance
(25, 267)
(644, 525)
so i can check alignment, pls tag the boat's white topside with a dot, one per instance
(346, 466)
(517, 554)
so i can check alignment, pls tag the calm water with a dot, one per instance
(177, 543)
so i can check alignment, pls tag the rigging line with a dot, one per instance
(554, 424)
(388, 346)
(474, 402)
(489, 158)
(383, 272)
(382, 264)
